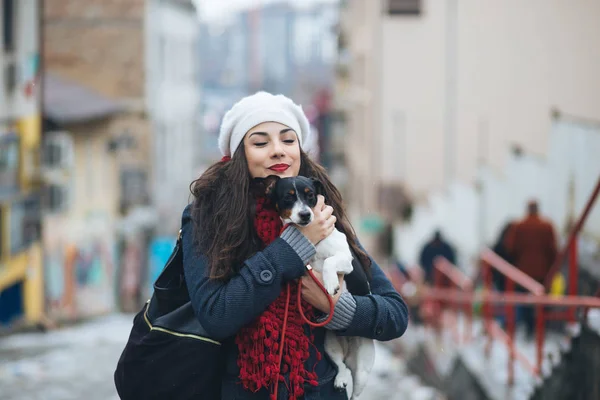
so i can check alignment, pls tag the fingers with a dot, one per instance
(326, 212)
(320, 203)
(330, 229)
(329, 223)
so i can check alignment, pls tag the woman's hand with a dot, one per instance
(314, 295)
(323, 223)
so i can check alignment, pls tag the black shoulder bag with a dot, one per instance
(169, 355)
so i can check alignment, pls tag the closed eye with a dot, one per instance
(290, 141)
(260, 144)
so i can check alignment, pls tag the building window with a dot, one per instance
(9, 163)
(57, 151)
(133, 187)
(57, 198)
(24, 223)
(8, 24)
(404, 7)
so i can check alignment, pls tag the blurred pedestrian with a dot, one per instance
(501, 250)
(436, 247)
(532, 245)
(237, 263)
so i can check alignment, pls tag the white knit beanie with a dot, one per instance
(256, 109)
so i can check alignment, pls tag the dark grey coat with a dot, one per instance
(223, 308)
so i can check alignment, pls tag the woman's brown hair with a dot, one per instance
(223, 214)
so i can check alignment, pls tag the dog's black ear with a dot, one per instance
(264, 186)
(319, 188)
(269, 184)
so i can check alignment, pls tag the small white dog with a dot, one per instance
(294, 199)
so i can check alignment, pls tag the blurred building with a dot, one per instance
(281, 47)
(21, 284)
(173, 98)
(277, 47)
(97, 146)
(432, 89)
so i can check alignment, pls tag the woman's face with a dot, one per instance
(272, 149)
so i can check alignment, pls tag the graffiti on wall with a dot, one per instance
(79, 273)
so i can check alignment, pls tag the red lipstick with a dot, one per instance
(279, 167)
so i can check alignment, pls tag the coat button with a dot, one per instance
(379, 331)
(266, 276)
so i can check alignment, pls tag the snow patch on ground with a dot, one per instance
(594, 320)
(391, 380)
(78, 362)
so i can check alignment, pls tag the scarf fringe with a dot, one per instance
(258, 343)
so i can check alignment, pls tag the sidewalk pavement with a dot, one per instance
(78, 363)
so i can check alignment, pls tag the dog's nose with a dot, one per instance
(304, 216)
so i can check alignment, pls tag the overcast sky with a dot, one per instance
(215, 10)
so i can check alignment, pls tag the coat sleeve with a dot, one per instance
(224, 307)
(382, 315)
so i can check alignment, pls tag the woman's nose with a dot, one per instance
(277, 149)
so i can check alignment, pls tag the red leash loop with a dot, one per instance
(331, 305)
(285, 317)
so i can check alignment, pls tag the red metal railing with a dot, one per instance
(451, 292)
(571, 250)
(457, 300)
(447, 275)
(512, 276)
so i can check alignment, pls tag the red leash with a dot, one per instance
(331, 305)
(285, 315)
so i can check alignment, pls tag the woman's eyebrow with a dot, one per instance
(259, 133)
(266, 134)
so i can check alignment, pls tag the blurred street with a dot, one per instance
(463, 137)
(78, 362)
(71, 363)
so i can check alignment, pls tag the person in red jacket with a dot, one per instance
(532, 245)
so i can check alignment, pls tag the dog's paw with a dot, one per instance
(332, 287)
(343, 381)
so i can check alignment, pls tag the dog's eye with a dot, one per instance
(310, 195)
(289, 197)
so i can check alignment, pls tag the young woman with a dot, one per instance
(237, 262)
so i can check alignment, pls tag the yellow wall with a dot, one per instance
(26, 265)
(29, 129)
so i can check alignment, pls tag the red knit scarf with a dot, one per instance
(258, 343)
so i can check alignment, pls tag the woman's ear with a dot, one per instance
(319, 188)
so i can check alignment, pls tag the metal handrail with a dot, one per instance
(511, 272)
(444, 272)
(511, 298)
(571, 244)
(513, 276)
(462, 297)
(454, 274)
